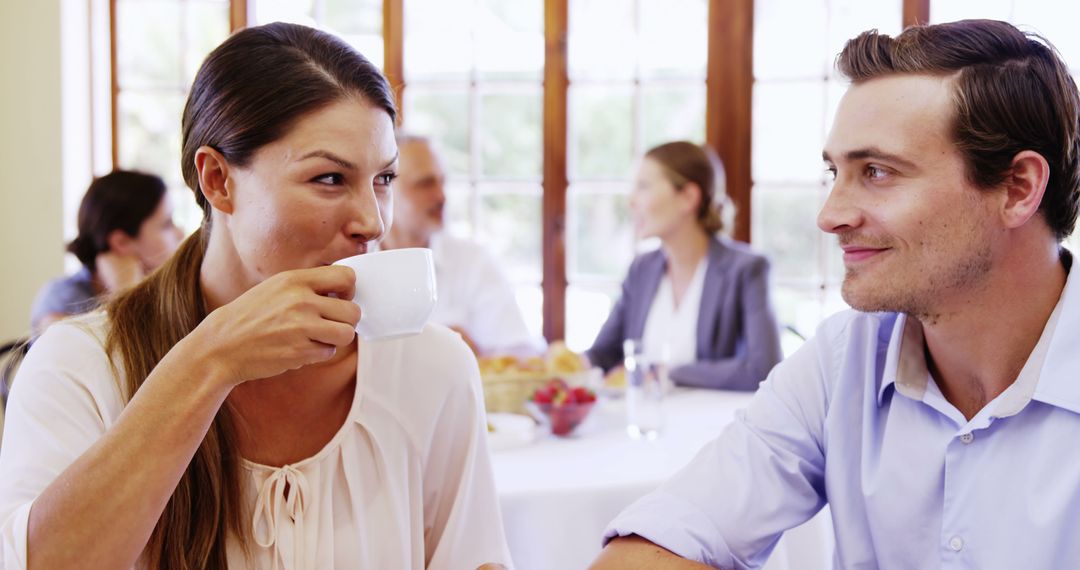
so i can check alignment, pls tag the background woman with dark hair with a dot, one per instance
(126, 231)
(222, 413)
(701, 301)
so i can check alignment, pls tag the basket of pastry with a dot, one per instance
(509, 380)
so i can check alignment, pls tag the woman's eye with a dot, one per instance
(831, 171)
(385, 179)
(332, 179)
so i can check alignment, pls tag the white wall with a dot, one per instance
(31, 184)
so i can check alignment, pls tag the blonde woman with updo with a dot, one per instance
(222, 413)
(701, 301)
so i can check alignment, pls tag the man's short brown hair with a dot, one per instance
(1012, 92)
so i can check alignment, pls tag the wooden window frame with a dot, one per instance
(728, 114)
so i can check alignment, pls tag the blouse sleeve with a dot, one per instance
(607, 350)
(63, 399)
(462, 522)
(758, 348)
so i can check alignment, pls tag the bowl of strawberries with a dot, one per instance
(560, 406)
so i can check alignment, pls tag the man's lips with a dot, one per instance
(855, 253)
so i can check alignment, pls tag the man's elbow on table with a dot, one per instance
(635, 553)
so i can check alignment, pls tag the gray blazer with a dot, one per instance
(738, 339)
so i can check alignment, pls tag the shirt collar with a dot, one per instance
(1058, 384)
(1048, 374)
(905, 361)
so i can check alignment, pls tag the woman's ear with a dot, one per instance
(120, 243)
(692, 197)
(214, 178)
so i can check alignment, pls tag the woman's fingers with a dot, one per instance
(336, 279)
(331, 333)
(338, 310)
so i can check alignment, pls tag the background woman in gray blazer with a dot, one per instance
(701, 301)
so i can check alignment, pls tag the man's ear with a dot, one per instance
(214, 183)
(120, 242)
(1024, 188)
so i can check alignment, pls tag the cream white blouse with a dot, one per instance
(406, 483)
(670, 334)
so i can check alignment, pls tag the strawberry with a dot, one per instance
(543, 395)
(582, 395)
(558, 384)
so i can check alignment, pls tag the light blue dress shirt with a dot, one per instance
(855, 420)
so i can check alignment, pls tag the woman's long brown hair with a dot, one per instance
(248, 93)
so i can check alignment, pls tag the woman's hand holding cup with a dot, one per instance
(291, 320)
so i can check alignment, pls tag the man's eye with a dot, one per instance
(875, 172)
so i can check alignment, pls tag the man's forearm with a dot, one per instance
(636, 553)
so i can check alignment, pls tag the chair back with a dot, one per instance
(11, 355)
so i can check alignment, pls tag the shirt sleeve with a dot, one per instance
(495, 321)
(462, 521)
(764, 474)
(59, 403)
(66, 296)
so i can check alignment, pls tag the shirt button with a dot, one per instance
(956, 543)
(967, 437)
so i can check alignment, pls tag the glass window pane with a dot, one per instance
(370, 46)
(511, 135)
(672, 114)
(601, 234)
(785, 229)
(149, 140)
(952, 10)
(601, 126)
(510, 39)
(834, 91)
(438, 39)
(353, 17)
(787, 131)
(207, 26)
(510, 226)
(587, 307)
(150, 132)
(799, 308)
(1073, 243)
(294, 11)
(1056, 21)
(148, 44)
(443, 116)
(849, 18)
(789, 39)
(602, 41)
(674, 38)
(458, 213)
(530, 299)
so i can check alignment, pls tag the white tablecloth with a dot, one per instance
(558, 494)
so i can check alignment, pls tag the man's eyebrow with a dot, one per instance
(329, 156)
(872, 153)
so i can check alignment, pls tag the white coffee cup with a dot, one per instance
(395, 290)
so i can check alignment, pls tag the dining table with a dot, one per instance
(557, 494)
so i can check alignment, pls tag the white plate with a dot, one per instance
(510, 431)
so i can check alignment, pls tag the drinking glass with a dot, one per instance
(646, 378)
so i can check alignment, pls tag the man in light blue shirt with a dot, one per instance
(941, 421)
